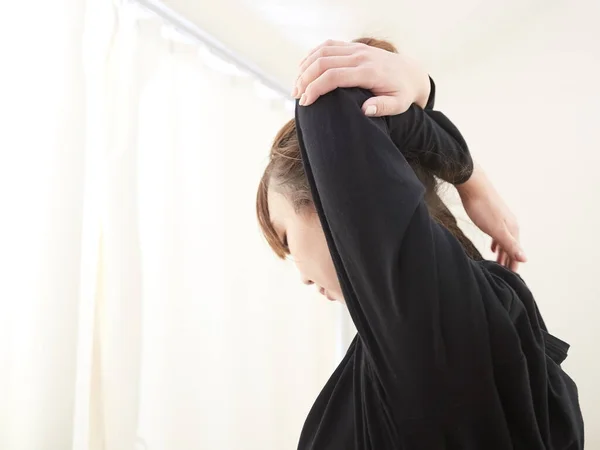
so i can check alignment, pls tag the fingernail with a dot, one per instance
(303, 100)
(371, 110)
(294, 92)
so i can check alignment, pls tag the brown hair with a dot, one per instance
(285, 170)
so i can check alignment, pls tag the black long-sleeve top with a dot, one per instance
(450, 353)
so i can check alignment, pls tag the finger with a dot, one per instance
(494, 245)
(385, 105)
(520, 256)
(505, 258)
(499, 256)
(318, 68)
(326, 52)
(331, 79)
(511, 245)
(514, 265)
(502, 256)
(509, 262)
(327, 43)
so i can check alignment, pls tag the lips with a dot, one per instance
(324, 293)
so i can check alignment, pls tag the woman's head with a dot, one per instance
(288, 218)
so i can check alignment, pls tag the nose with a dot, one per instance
(307, 281)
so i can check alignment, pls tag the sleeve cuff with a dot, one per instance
(431, 100)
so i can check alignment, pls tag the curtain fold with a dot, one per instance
(140, 306)
(41, 194)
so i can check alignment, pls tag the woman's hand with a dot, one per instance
(488, 211)
(396, 80)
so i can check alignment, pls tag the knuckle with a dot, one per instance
(325, 83)
(320, 64)
(370, 69)
(315, 89)
(320, 84)
(309, 91)
(335, 75)
(322, 52)
(367, 72)
(360, 57)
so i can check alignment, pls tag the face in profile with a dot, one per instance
(303, 235)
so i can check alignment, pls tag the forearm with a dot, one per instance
(430, 138)
(478, 182)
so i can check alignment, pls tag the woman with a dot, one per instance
(451, 351)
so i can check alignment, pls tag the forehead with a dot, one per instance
(280, 208)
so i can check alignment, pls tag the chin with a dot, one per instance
(339, 299)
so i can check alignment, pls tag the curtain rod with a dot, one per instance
(191, 29)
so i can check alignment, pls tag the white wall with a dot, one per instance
(530, 111)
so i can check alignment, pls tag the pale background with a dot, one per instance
(520, 78)
(139, 306)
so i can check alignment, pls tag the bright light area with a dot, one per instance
(139, 303)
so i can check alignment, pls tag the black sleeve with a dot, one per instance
(431, 100)
(425, 142)
(407, 283)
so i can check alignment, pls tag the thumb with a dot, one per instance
(511, 246)
(384, 105)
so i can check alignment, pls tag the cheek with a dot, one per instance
(306, 248)
(312, 257)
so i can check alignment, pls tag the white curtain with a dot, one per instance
(139, 306)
